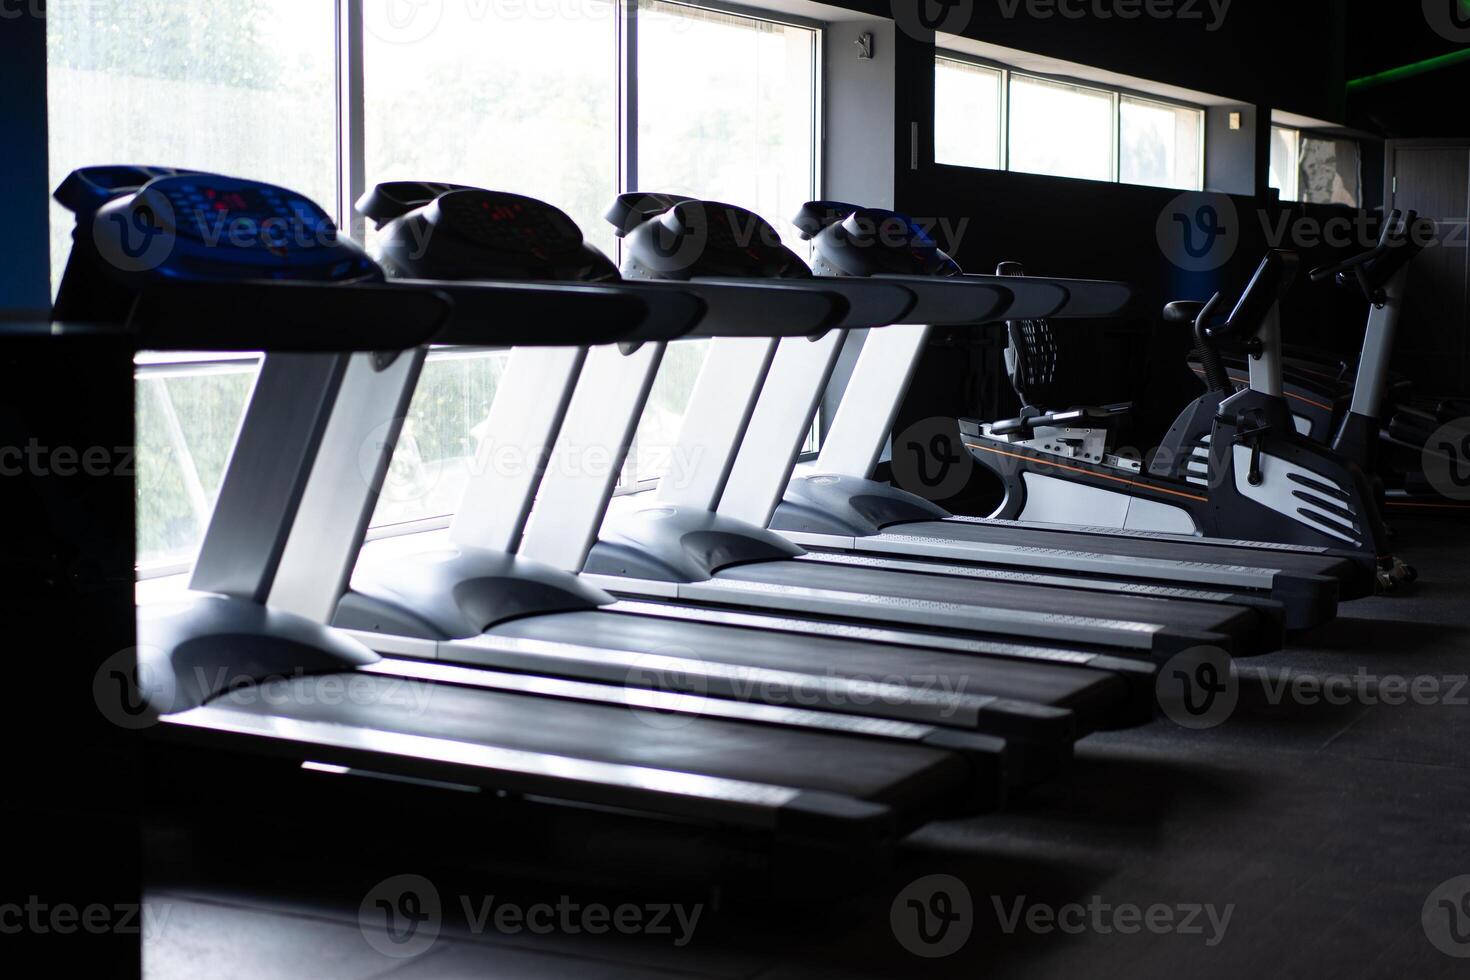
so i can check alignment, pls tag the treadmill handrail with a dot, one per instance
(530, 313)
(286, 316)
(871, 303)
(958, 302)
(756, 308)
(1085, 297)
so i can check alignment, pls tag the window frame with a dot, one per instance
(1296, 180)
(1117, 93)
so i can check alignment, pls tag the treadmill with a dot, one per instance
(675, 549)
(835, 505)
(786, 404)
(226, 672)
(482, 601)
(571, 503)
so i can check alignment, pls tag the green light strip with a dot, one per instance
(1409, 71)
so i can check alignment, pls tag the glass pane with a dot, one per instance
(652, 456)
(1330, 171)
(726, 111)
(1160, 144)
(1060, 129)
(518, 97)
(1284, 164)
(441, 438)
(966, 114)
(243, 87)
(187, 417)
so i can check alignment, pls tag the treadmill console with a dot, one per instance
(682, 239)
(850, 241)
(136, 225)
(451, 231)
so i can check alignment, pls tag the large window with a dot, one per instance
(1060, 129)
(727, 111)
(1316, 169)
(994, 117)
(967, 114)
(1159, 144)
(244, 87)
(525, 96)
(1285, 146)
(515, 97)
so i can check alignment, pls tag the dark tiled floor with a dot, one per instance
(1320, 828)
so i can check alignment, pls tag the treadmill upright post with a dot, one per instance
(884, 370)
(716, 421)
(784, 412)
(342, 490)
(529, 409)
(285, 420)
(600, 423)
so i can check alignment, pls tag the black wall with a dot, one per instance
(24, 275)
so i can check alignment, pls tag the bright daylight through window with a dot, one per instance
(242, 87)
(1062, 129)
(522, 97)
(967, 101)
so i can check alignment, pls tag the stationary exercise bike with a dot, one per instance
(1235, 465)
(1363, 410)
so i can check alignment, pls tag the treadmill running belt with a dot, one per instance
(883, 772)
(1241, 625)
(1098, 697)
(1329, 565)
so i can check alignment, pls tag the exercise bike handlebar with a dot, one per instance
(1272, 280)
(1385, 242)
(1395, 248)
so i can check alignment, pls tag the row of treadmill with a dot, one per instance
(780, 654)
